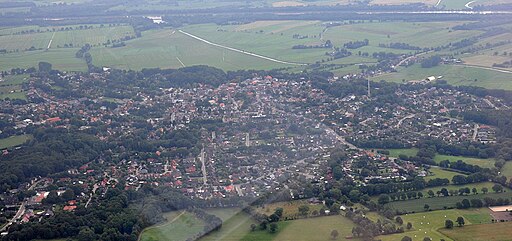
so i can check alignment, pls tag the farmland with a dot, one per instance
(453, 74)
(236, 224)
(315, 229)
(13, 141)
(428, 224)
(507, 169)
(485, 163)
(439, 203)
(484, 232)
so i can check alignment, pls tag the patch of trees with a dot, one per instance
(368, 229)
(51, 151)
(356, 44)
(405, 46)
(431, 61)
(111, 220)
(83, 53)
(499, 118)
(327, 44)
(339, 53)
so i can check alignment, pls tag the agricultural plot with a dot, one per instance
(25, 41)
(171, 49)
(180, 226)
(453, 74)
(439, 203)
(61, 59)
(316, 229)
(421, 34)
(95, 36)
(484, 163)
(14, 141)
(428, 224)
(484, 232)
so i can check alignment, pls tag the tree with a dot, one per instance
(466, 203)
(460, 221)
(86, 234)
(304, 210)
(334, 234)
(279, 212)
(399, 220)
(426, 207)
(497, 188)
(253, 227)
(383, 199)
(448, 224)
(427, 239)
(409, 225)
(263, 225)
(485, 190)
(45, 67)
(68, 195)
(420, 195)
(431, 193)
(273, 227)
(474, 190)
(406, 238)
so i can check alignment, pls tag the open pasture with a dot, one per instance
(485, 163)
(453, 74)
(316, 229)
(61, 59)
(439, 203)
(483, 232)
(180, 225)
(428, 224)
(171, 49)
(441, 173)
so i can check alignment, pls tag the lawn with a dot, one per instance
(428, 224)
(453, 74)
(485, 163)
(14, 141)
(483, 232)
(398, 152)
(181, 225)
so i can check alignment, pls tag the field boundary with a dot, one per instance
(240, 51)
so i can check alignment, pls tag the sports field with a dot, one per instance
(14, 141)
(484, 232)
(428, 224)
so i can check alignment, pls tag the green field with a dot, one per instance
(14, 141)
(61, 59)
(453, 74)
(236, 224)
(507, 170)
(316, 229)
(485, 163)
(181, 225)
(484, 232)
(438, 203)
(441, 173)
(428, 224)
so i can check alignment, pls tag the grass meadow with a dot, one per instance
(14, 141)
